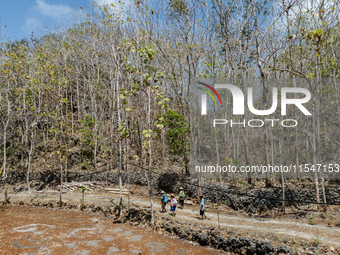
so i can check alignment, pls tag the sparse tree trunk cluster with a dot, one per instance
(99, 90)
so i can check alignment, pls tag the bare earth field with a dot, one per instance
(82, 233)
(45, 231)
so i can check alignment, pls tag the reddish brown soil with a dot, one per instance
(27, 230)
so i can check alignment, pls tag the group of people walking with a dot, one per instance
(181, 198)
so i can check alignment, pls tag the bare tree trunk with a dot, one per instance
(323, 189)
(283, 193)
(316, 179)
(268, 181)
(150, 158)
(61, 185)
(218, 158)
(246, 154)
(120, 159)
(66, 157)
(29, 163)
(264, 88)
(4, 170)
(282, 179)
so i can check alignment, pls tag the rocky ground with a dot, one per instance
(225, 229)
(32, 230)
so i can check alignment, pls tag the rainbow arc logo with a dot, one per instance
(209, 93)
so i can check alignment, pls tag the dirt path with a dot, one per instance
(326, 234)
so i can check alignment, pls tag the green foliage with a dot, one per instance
(311, 220)
(178, 8)
(227, 160)
(227, 203)
(88, 121)
(315, 242)
(146, 54)
(177, 134)
(83, 189)
(235, 161)
(84, 165)
(123, 130)
(87, 136)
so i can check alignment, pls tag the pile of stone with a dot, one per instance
(68, 187)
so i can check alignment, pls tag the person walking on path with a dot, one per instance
(181, 197)
(173, 204)
(164, 200)
(202, 207)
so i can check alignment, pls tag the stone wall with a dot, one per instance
(53, 177)
(256, 200)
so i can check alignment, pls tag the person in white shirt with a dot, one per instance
(173, 203)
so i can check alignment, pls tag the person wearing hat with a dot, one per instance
(173, 204)
(164, 200)
(181, 197)
(202, 206)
